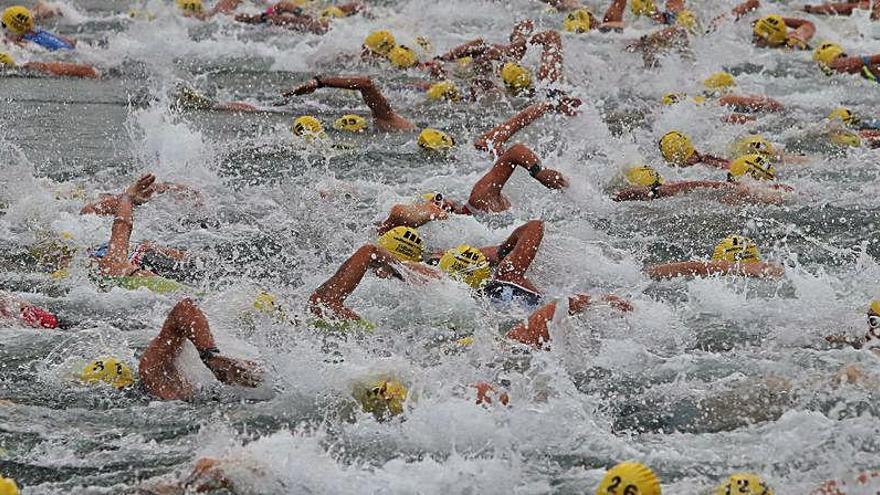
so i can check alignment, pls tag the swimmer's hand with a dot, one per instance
(141, 191)
(303, 89)
(843, 340)
(618, 303)
(233, 371)
(568, 105)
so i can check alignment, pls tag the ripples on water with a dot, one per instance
(704, 378)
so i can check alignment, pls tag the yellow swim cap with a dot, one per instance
(844, 114)
(445, 90)
(736, 248)
(844, 138)
(108, 370)
(431, 196)
(383, 397)
(265, 302)
(719, 81)
(8, 486)
(827, 52)
(307, 126)
(467, 264)
(745, 483)
(350, 123)
(676, 148)
(332, 12)
(754, 144)
(874, 307)
(516, 77)
(771, 29)
(643, 176)
(673, 98)
(403, 57)
(380, 42)
(756, 166)
(433, 139)
(687, 20)
(643, 7)
(18, 20)
(577, 21)
(190, 7)
(403, 242)
(629, 478)
(6, 59)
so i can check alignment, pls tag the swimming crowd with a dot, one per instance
(497, 273)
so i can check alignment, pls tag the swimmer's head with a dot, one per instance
(265, 303)
(8, 486)
(745, 483)
(54, 251)
(18, 20)
(403, 57)
(403, 242)
(444, 90)
(754, 144)
(874, 307)
(720, 81)
(350, 123)
(108, 370)
(676, 148)
(771, 29)
(827, 52)
(872, 337)
(383, 398)
(577, 21)
(466, 264)
(673, 98)
(631, 478)
(307, 126)
(843, 114)
(516, 77)
(191, 7)
(438, 199)
(6, 59)
(332, 12)
(687, 20)
(756, 166)
(736, 249)
(432, 139)
(380, 42)
(643, 176)
(643, 7)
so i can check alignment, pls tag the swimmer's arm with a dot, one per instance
(613, 18)
(232, 371)
(534, 330)
(499, 135)
(563, 5)
(745, 7)
(517, 47)
(803, 29)
(412, 215)
(63, 69)
(844, 340)
(743, 193)
(714, 161)
(675, 5)
(667, 190)
(116, 260)
(287, 7)
(737, 118)
(470, 49)
(853, 65)
(225, 7)
(836, 8)
(580, 302)
(707, 268)
(750, 103)
(551, 67)
(331, 295)
(140, 192)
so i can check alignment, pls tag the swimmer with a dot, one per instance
(287, 15)
(832, 58)
(484, 54)
(18, 23)
(871, 339)
(187, 98)
(159, 374)
(485, 197)
(646, 184)
(718, 88)
(735, 255)
(399, 255)
(867, 129)
(16, 310)
(772, 31)
(384, 117)
(677, 149)
(62, 69)
(837, 8)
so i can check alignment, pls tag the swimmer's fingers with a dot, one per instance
(236, 371)
(142, 189)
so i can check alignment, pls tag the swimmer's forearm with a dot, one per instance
(714, 161)
(500, 134)
(706, 268)
(470, 49)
